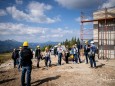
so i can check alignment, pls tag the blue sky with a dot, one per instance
(45, 20)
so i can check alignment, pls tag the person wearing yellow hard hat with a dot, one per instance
(38, 55)
(26, 63)
(86, 50)
(47, 57)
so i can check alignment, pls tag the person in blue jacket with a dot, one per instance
(92, 54)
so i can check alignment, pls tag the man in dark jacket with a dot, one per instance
(15, 57)
(38, 55)
(86, 50)
(26, 63)
(78, 46)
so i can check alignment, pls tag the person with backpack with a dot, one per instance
(38, 55)
(15, 56)
(26, 63)
(92, 54)
(75, 54)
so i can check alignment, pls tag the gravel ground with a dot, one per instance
(64, 75)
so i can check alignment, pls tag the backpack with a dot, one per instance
(26, 56)
(92, 51)
(26, 53)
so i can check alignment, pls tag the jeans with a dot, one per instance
(59, 58)
(92, 61)
(47, 59)
(38, 61)
(79, 58)
(75, 57)
(86, 56)
(25, 70)
(14, 63)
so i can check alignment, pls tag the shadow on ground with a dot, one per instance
(7, 80)
(101, 65)
(39, 82)
(3, 72)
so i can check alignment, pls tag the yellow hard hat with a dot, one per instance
(25, 44)
(46, 48)
(86, 42)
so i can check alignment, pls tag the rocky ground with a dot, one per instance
(64, 75)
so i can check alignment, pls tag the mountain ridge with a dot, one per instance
(9, 45)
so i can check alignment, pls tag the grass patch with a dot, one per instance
(4, 57)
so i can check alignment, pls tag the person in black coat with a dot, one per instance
(38, 55)
(67, 54)
(78, 47)
(86, 50)
(15, 56)
(26, 64)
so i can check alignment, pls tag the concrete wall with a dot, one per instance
(99, 26)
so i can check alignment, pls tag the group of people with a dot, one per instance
(22, 57)
(89, 52)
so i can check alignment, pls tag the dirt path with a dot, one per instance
(64, 75)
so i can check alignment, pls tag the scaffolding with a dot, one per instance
(103, 29)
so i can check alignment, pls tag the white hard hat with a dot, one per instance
(92, 42)
(59, 44)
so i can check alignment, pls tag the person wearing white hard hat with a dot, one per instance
(60, 51)
(92, 54)
(38, 55)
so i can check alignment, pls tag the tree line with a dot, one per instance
(71, 42)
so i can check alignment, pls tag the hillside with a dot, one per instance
(9, 45)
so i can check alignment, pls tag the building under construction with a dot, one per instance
(103, 31)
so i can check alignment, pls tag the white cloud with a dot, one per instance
(19, 29)
(38, 9)
(21, 32)
(19, 1)
(79, 3)
(108, 3)
(86, 4)
(36, 13)
(2, 12)
(17, 14)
